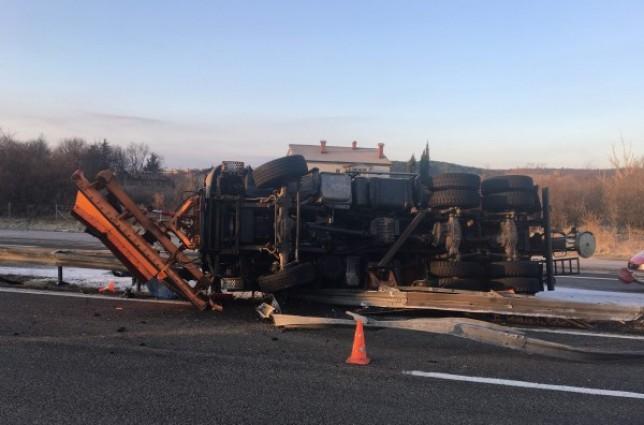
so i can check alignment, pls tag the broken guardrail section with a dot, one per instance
(474, 330)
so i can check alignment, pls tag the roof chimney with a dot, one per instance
(322, 146)
(381, 149)
(354, 145)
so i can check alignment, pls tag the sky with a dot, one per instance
(493, 84)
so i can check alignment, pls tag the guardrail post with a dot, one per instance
(547, 230)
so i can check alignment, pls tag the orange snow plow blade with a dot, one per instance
(98, 205)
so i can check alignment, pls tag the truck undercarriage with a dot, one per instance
(282, 228)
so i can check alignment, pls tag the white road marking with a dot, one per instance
(524, 384)
(583, 333)
(90, 296)
(587, 278)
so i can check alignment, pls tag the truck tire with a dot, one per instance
(462, 283)
(456, 181)
(280, 171)
(514, 269)
(510, 201)
(506, 184)
(455, 269)
(455, 198)
(296, 275)
(520, 285)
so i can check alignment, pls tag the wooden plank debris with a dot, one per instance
(478, 302)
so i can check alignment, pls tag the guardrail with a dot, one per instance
(88, 259)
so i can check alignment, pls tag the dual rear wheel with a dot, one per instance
(509, 193)
(455, 190)
(520, 276)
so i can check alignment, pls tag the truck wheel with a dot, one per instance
(506, 184)
(514, 269)
(296, 275)
(455, 198)
(456, 181)
(509, 201)
(520, 285)
(460, 283)
(455, 269)
(280, 171)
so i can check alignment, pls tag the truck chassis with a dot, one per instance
(282, 228)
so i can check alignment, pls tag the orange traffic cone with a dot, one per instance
(110, 287)
(359, 353)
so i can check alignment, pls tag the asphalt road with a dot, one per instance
(49, 239)
(83, 360)
(78, 361)
(597, 282)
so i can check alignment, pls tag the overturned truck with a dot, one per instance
(282, 228)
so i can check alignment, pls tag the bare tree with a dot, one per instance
(625, 188)
(624, 160)
(71, 150)
(136, 155)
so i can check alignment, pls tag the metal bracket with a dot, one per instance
(393, 250)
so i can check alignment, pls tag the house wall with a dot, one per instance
(339, 167)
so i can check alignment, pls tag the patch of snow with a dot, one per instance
(595, 297)
(86, 278)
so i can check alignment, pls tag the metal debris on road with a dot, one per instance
(475, 330)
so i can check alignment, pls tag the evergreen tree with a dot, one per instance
(105, 154)
(412, 164)
(423, 166)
